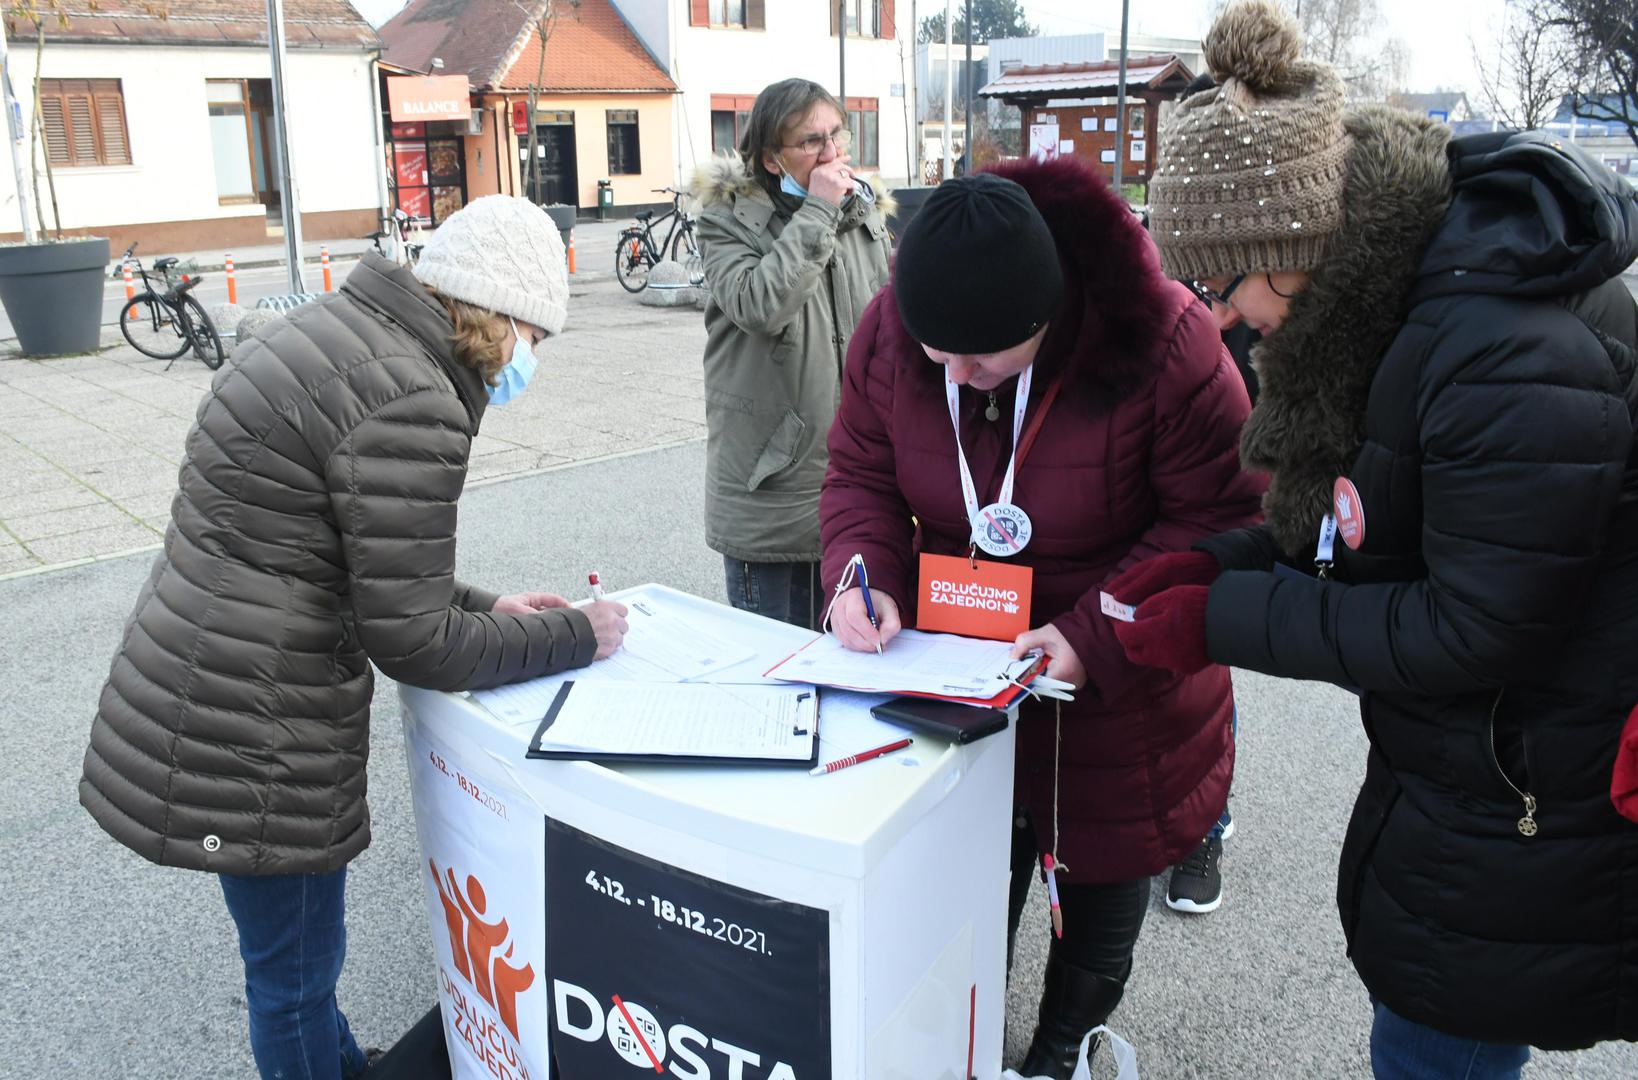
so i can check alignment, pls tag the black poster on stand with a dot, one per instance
(677, 974)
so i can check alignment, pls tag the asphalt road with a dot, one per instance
(115, 968)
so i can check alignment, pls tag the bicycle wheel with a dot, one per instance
(686, 250)
(207, 343)
(632, 262)
(150, 325)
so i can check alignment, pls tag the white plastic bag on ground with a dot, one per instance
(1125, 1058)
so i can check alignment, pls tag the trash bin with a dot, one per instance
(605, 199)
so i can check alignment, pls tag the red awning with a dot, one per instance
(429, 97)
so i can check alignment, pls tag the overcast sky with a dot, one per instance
(1437, 33)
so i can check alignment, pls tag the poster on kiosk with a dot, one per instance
(481, 838)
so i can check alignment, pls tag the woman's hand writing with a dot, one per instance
(850, 622)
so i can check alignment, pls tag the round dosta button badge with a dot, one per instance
(1002, 529)
(1350, 512)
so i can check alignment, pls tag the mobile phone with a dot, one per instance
(948, 719)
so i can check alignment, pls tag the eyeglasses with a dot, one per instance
(814, 145)
(1211, 296)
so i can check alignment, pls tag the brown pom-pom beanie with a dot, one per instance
(1249, 175)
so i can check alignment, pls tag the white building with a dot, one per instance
(721, 53)
(160, 129)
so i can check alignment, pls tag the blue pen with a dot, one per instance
(870, 608)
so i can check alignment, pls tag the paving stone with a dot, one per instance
(95, 542)
(55, 523)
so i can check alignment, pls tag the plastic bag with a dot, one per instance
(1126, 1067)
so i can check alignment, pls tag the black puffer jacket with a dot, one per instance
(313, 533)
(1476, 383)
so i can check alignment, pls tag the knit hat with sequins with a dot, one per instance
(1249, 175)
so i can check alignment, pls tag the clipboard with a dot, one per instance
(639, 757)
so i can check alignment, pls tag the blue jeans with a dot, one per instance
(1405, 1050)
(293, 941)
(788, 592)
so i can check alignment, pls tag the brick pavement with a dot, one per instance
(90, 445)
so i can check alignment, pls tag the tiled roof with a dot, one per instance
(308, 24)
(494, 44)
(1086, 79)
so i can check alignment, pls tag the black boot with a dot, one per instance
(1073, 1002)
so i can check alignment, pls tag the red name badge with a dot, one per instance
(985, 600)
(1350, 512)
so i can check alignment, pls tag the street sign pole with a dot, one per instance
(1120, 101)
(967, 77)
(281, 144)
(949, 81)
(14, 126)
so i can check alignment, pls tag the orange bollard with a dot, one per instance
(130, 285)
(571, 251)
(233, 286)
(324, 261)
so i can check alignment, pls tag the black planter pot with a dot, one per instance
(53, 294)
(563, 218)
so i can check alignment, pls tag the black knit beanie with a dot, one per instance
(977, 269)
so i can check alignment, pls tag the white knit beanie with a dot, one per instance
(501, 253)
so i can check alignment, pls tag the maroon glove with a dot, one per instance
(1142, 580)
(1169, 630)
(1624, 781)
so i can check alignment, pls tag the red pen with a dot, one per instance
(854, 759)
(596, 584)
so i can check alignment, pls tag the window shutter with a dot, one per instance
(111, 128)
(889, 26)
(833, 14)
(756, 14)
(82, 129)
(699, 13)
(55, 129)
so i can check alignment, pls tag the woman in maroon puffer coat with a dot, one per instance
(1040, 263)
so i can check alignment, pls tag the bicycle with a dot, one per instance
(165, 324)
(396, 230)
(637, 252)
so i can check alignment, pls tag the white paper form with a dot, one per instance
(912, 661)
(685, 720)
(661, 645)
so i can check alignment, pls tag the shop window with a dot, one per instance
(84, 122)
(861, 120)
(426, 170)
(746, 14)
(625, 158)
(727, 12)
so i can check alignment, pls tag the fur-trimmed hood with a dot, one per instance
(724, 178)
(1315, 371)
(1112, 329)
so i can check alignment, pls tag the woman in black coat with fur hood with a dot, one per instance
(1446, 414)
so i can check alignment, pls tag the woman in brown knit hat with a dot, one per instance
(1446, 413)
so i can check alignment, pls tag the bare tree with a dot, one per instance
(1526, 72)
(543, 16)
(1604, 35)
(1343, 34)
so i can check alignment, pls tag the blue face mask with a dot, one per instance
(517, 372)
(788, 184)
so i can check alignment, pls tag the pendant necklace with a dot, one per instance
(992, 412)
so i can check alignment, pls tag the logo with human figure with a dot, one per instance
(475, 943)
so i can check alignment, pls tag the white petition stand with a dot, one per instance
(551, 884)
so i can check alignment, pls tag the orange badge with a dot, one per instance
(987, 600)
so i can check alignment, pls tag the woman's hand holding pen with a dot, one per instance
(608, 621)
(850, 622)
(1065, 666)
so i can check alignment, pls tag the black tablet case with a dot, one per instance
(948, 719)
